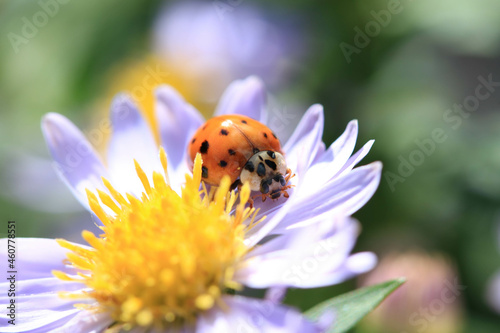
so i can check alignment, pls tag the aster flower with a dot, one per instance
(325, 181)
(166, 261)
(120, 280)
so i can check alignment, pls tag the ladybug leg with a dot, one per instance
(288, 175)
(262, 196)
(250, 202)
(236, 184)
(284, 189)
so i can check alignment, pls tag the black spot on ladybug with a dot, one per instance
(260, 158)
(244, 121)
(271, 154)
(204, 127)
(192, 141)
(265, 135)
(204, 147)
(274, 135)
(261, 170)
(255, 150)
(249, 166)
(231, 152)
(222, 163)
(271, 164)
(224, 132)
(204, 172)
(264, 188)
(275, 195)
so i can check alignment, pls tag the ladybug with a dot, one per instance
(245, 150)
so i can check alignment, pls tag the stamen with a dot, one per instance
(163, 258)
(106, 200)
(163, 160)
(142, 177)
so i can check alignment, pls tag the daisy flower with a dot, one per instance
(172, 256)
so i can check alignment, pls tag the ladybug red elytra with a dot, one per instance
(245, 150)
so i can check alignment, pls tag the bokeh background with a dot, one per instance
(405, 69)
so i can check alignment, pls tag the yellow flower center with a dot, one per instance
(163, 258)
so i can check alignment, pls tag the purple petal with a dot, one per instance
(39, 321)
(38, 304)
(354, 159)
(254, 315)
(132, 138)
(325, 226)
(37, 257)
(246, 97)
(177, 121)
(75, 160)
(336, 156)
(88, 322)
(273, 219)
(34, 286)
(345, 195)
(309, 256)
(41, 308)
(306, 139)
(354, 265)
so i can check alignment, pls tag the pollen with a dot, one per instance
(163, 258)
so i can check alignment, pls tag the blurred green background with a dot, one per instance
(399, 67)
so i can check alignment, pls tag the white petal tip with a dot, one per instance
(165, 89)
(353, 126)
(252, 80)
(54, 126)
(316, 108)
(123, 109)
(51, 120)
(121, 99)
(376, 166)
(362, 262)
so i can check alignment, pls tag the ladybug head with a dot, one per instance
(265, 172)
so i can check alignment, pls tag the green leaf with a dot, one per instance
(352, 307)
